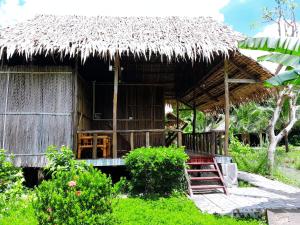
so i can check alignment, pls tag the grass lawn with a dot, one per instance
(137, 211)
(20, 213)
(288, 166)
(289, 159)
(180, 210)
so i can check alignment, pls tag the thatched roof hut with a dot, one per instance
(172, 39)
(53, 68)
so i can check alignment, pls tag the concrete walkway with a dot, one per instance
(252, 201)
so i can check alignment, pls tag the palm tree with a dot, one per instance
(250, 118)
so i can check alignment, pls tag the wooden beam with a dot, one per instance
(131, 140)
(227, 118)
(179, 139)
(242, 81)
(75, 108)
(185, 109)
(185, 103)
(204, 90)
(212, 71)
(94, 155)
(177, 114)
(115, 103)
(147, 139)
(194, 127)
(251, 76)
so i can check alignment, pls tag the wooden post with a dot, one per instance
(177, 114)
(177, 120)
(75, 109)
(115, 104)
(179, 139)
(194, 128)
(213, 142)
(227, 119)
(131, 140)
(94, 146)
(147, 139)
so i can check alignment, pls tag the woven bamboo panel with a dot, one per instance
(36, 110)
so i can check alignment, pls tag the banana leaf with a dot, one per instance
(285, 45)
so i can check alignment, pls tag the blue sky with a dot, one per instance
(240, 14)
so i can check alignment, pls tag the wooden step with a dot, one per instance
(200, 163)
(201, 170)
(205, 178)
(206, 187)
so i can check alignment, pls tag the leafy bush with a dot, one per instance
(249, 159)
(157, 170)
(11, 179)
(75, 197)
(62, 159)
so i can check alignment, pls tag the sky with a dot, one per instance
(239, 14)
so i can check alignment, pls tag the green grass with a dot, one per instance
(169, 211)
(137, 211)
(19, 213)
(242, 184)
(289, 159)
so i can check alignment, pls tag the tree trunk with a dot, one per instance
(286, 142)
(261, 140)
(286, 93)
(271, 155)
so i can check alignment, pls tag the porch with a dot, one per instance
(124, 108)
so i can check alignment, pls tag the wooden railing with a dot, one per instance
(134, 138)
(206, 143)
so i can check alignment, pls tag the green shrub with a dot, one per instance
(62, 159)
(75, 197)
(11, 179)
(157, 170)
(248, 159)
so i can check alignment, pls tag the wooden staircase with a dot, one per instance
(204, 175)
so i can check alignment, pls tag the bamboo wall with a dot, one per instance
(36, 110)
(139, 107)
(84, 104)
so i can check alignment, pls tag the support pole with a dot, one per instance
(147, 139)
(194, 127)
(227, 119)
(115, 103)
(177, 114)
(131, 140)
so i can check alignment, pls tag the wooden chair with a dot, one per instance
(94, 142)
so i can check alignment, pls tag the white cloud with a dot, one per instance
(271, 30)
(11, 11)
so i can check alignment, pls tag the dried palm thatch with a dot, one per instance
(208, 94)
(192, 38)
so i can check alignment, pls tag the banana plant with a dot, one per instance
(284, 51)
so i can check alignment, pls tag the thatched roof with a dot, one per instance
(174, 37)
(208, 94)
